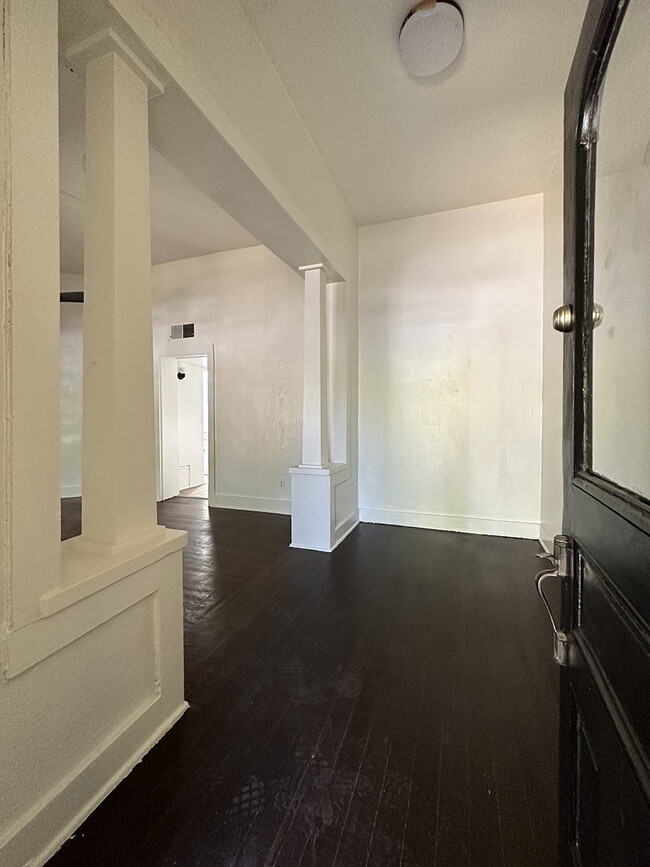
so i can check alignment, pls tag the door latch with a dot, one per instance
(561, 563)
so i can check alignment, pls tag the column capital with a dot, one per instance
(106, 42)
(319, 265)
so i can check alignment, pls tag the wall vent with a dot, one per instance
(185, 330)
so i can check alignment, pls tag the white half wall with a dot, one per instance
(91, 646)
(450, 312)
(71, 387)
(248, 305)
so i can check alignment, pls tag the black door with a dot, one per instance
(605, 701)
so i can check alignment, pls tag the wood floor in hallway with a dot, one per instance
(392, 703)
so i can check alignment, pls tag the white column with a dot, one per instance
(338, 352)
(119, 497)
(315, 423)
(313, 483)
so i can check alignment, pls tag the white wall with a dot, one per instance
(190, 423)
(249, 306)
(450, 369)
(71, 348)
(552, 497)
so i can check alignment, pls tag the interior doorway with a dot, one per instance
(186, 426)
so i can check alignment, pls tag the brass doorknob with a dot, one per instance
(597, 314)
(564, 317)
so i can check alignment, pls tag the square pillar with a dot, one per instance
(315, 424)
(119, 486)
(314, 481)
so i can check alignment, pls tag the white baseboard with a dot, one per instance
(455, 523)
(546, 535)
(70, 491)
(344, 529)
(45, 832)
(253, 504)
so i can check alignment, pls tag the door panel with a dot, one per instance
(612, 823)
(605, 687)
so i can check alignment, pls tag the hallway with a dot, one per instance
(393, 703)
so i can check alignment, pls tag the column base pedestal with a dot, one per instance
(313, 507)
(106, 549)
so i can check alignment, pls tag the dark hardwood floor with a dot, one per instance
(393, 703)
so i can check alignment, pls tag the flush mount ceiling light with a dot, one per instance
(431, 37)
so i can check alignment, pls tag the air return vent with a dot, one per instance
(179, 331)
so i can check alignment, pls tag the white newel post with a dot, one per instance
(313, 482)
(119, 499)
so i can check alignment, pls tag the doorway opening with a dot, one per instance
(186, 427)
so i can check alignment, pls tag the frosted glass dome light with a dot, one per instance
(431, 37)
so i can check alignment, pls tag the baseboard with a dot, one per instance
(70, 491)
(344, 529)
(46, 831)
(455, 523)
(546, 535)
(253, 504)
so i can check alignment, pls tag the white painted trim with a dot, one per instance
(74, 789)
(455, 523)
(546, 536)
(253, 504)
(74, 611)
(107, 41)
(344, 529)
(329, 470)
(86, 574)
(70, 491)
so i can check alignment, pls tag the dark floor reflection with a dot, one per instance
(392, 703)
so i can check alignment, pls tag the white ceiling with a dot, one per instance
(184, 221)
(488, 128)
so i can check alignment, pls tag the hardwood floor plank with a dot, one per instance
(393, 703)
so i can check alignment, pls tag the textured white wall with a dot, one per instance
(450, 369)
(249, 305)
(71, 348)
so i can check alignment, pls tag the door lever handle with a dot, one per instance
(560, 640)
